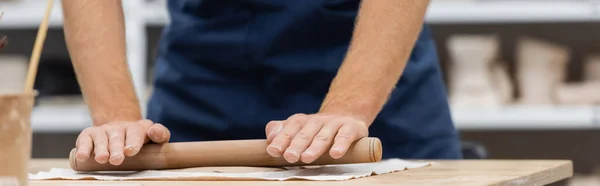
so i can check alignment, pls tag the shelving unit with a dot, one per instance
(27, 14)
(526, 118)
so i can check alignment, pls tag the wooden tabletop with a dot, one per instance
(444, 172)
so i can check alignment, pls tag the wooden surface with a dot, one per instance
(446, 173)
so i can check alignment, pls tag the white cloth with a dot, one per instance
(318, 173)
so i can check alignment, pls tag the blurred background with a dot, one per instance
(523, 76)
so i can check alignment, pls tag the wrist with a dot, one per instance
(363, 110)
(102, 117)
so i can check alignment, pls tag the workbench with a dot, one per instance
(443, 172)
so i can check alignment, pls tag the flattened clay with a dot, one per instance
(337, 172)
(15, 137)
(541, 69)
(476, 79)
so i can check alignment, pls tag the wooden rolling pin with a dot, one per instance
(222, 153)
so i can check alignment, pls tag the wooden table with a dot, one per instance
(446, 173)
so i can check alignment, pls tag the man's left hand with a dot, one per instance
(307, 137)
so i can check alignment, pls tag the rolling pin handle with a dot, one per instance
(73, 159)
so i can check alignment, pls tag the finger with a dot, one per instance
(100, 146)
(158, 133)
(347, 135)
(134, 139)
(146, 124)
(84, 147)
(271, 130)
(284, 137)
(302, 140)
(321, 142)
(116, 145)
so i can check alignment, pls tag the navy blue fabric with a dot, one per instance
(226, 68)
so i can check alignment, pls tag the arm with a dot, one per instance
(95, 36)
(384, 36)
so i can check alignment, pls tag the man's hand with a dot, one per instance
(113, 141)
(384, 36)
(307, 137)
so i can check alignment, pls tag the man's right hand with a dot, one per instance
(111, 142)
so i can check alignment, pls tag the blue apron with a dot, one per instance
(226, 68)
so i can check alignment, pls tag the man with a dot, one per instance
(309, 76)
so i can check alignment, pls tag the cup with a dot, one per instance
(13, 72)
(15, 138)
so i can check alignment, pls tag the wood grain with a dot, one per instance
(443, 172)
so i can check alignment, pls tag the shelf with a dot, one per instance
(27, 14)
(511, 11)
(60, 118)
(525, 118)
(472, 12)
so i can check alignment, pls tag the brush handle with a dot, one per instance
(40, 38)
(222, 153)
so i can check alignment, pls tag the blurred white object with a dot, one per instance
(584, 180)
(586, 93)
(592, 69)
(540, 70)
(13, 70)
(501, 82)
(473, 73)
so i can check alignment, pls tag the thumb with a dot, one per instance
(158, 133)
